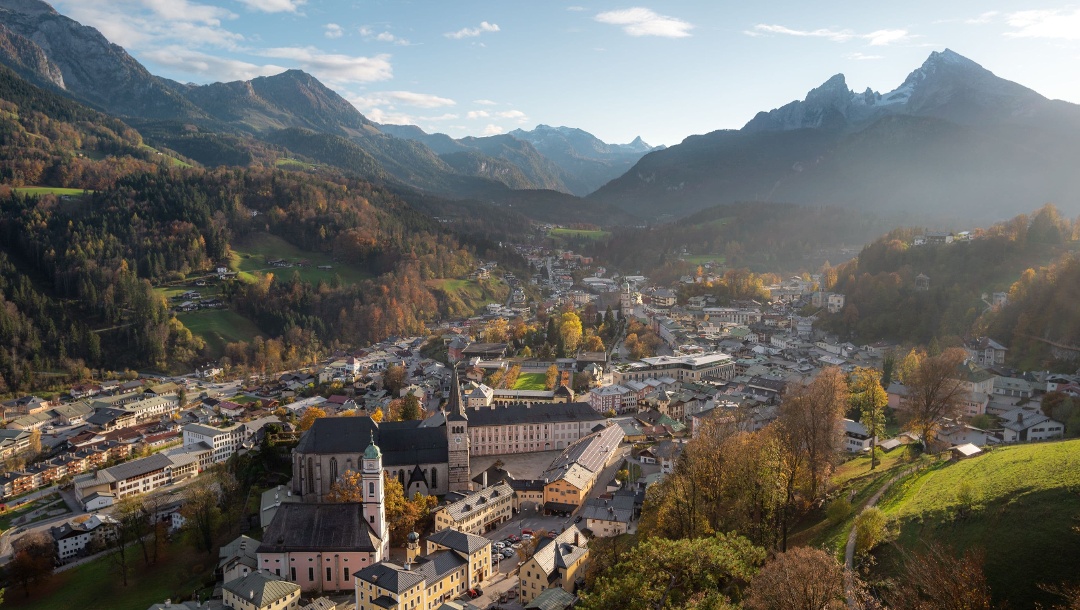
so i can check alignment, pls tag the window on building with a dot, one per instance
(311, 574)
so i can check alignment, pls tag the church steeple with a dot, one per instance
(457, 438)
(455, 408)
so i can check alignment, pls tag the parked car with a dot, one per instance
(577, 519)
(526, 536)
(526, 532)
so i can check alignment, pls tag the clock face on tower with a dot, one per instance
(457, 439)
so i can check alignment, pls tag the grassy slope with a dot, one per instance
(579, 233)
(251, 254)
(1026, 509)
(472, 294)
(97, 586)
(48, 190)
(219, 326)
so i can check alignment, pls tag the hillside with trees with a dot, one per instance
(79, 270)
(882, 301)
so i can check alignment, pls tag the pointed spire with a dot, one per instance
(455, 407)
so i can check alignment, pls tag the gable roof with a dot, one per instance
(522, 413)
(477, 499)
(319, 527)
(402, 443)
(459, 541)
(261, 589)
(390, 576)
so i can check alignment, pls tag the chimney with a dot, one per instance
(483, 480)
(168, 603)
(1020, 417)
(576, 535)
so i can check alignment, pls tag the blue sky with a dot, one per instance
(662, 70)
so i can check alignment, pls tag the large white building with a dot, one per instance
(523, 428)
(717, 365)
(223, 441)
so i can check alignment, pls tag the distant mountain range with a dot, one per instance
(953, 139)
(291, 110)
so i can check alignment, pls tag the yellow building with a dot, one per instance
(557, 562)
(455, 562)
(478, 512)
(260, 591)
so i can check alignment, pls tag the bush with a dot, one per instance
(838, 510)
(871, 529)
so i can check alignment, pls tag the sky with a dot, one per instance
(663, 70)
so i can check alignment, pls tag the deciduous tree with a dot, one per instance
(33, 561)
(309, 417)
(803, 578)
(935, 391)
(870, 399)
(810, 415)
(661, 574)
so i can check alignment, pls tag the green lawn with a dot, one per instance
(251, 254)
(219, 326)
(10, 515)
(49, 190)
(531, 381)
(96, 585)
(701, 259)
(579, 233)
(171, 159)
(1027, 502)
(466, 297)
(293, 164)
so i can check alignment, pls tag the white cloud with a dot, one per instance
(516, 115)
(478, 114)
(210, 66)
(473, 32)
(332, 67)
(274, 6)
(1062, 24)
(136, 24)
(369, 33)
(640, 21)
(864, 57)
(492, 130)
(333, 30)
(485, 103)
(406, 98)
(877, 38)
(575, 8)
(983, 19)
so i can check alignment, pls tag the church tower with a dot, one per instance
(371, 478)
(457, 437)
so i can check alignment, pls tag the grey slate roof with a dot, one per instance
(266, 588)
(390, 576)
(319, 527)
(437, 565)
(532, 414)
(402, 443)
(590, 451)
(459, 541)
(560, 552)
(459, 509)
(135, 468)
(555, 598)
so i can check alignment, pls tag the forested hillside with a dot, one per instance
(80, 272)
(882, 300)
